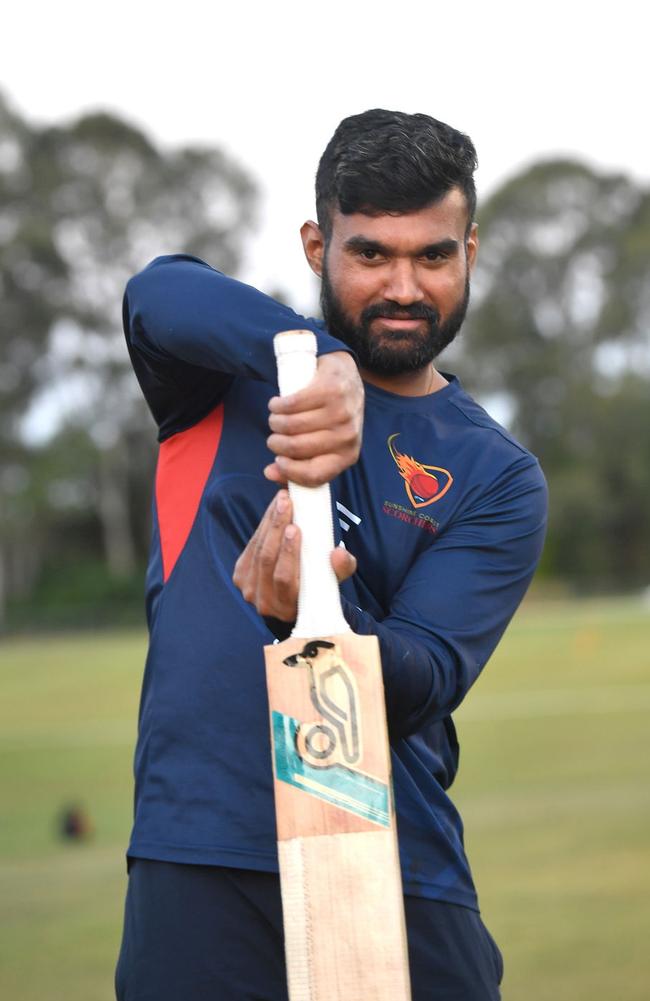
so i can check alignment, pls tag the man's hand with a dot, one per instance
(268, 571)
(316, 433)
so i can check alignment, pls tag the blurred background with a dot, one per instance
(158, 129)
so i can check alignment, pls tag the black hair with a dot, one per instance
(388, 161)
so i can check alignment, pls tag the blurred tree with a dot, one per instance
(600, 512)
(559, 334)
(32, 272)
(32, 284)
(82, 207)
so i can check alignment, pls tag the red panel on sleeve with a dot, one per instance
(184, 464)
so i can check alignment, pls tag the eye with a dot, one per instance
(369, 254)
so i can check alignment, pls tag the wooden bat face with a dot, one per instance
(330, 750)
(337, 845)
(335, 736)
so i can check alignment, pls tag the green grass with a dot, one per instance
(554, 792)
(553, 788)
(68, 710)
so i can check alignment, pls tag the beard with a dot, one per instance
(392, 352)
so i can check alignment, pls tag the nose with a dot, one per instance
(402, 285)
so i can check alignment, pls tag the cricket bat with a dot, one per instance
(343, 909)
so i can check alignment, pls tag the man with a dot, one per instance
(442, 514)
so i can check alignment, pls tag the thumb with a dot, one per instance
(343, 563)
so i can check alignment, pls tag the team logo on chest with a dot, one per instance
(424, 484)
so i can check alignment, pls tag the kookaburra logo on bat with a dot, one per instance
(335, 739)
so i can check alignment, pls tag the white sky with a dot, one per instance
(270, 81)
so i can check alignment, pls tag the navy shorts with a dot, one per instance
(205, 933)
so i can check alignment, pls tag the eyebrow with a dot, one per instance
(358, 243)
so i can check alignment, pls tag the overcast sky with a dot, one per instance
(270, 81)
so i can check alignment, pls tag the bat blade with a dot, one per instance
(339, 864)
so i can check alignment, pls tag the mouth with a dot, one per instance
(402, 320)
(405, 323)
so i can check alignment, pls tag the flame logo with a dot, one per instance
(422, 486)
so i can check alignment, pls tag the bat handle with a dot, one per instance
(319, 601)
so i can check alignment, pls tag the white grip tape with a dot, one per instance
(319, 603)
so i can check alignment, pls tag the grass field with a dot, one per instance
(553, 789)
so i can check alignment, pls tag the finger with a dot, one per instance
(273, 473)
(313, 472)
(246, 557)
(343, 563)
(269, 534)
(332, 413)
(244, 571)
(286, 577)
(314, 396)
(267, 552)
(306, 446)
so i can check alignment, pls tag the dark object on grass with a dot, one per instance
(75, 824)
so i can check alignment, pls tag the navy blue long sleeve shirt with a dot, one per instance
(444, 511)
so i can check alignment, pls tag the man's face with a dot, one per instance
(395, 288)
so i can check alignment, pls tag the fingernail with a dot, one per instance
(289, 533)
(281, 503)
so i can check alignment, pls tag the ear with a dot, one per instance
(313, 243)
(471, 245)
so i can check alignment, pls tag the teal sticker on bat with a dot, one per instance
(352, 791)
